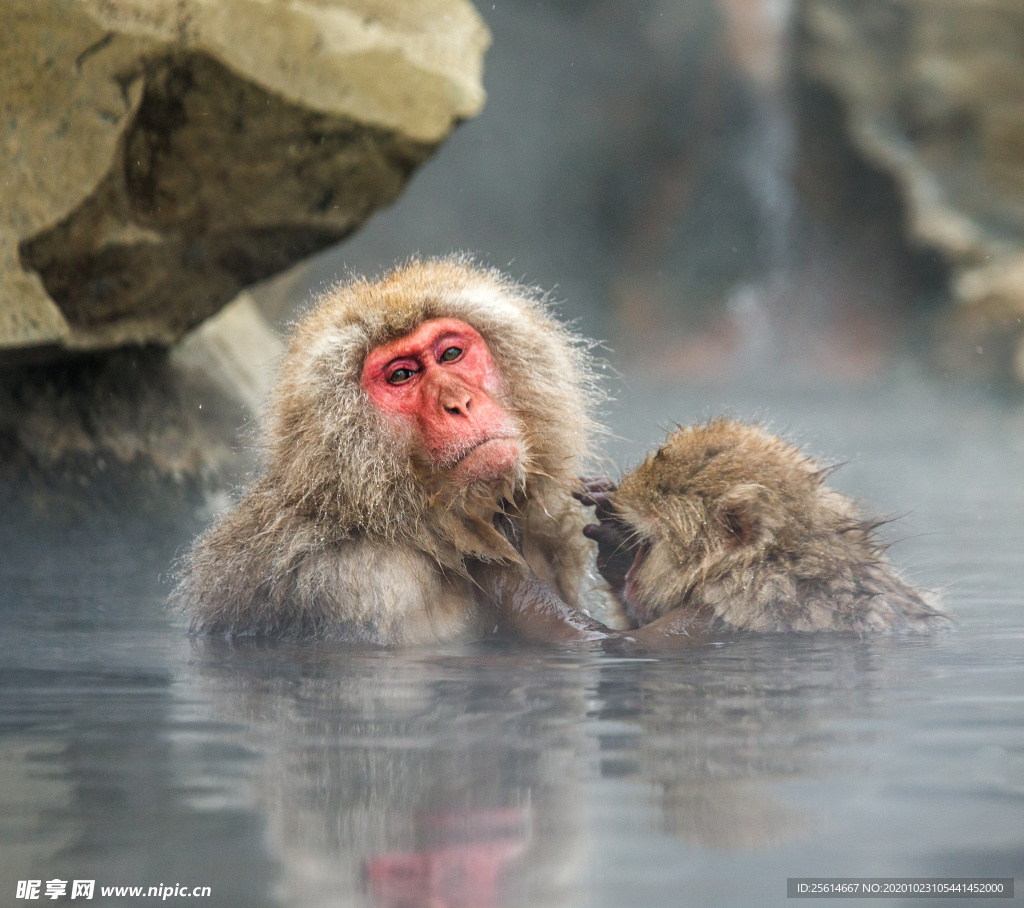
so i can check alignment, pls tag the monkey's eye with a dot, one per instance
(401, 375)
(451, 354)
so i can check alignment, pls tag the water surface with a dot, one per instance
(487, 774)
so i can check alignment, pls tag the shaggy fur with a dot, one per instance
(735, 528)
(346, 533)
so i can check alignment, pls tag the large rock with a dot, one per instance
(934, 91)
(159, 155)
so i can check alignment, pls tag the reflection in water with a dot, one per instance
(445, 778)
(460, 861)
(713, 745)
(465, 777)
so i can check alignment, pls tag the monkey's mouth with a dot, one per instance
(488, 459)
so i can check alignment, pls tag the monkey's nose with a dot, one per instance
(457, 403)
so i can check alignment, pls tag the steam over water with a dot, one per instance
(504, 775)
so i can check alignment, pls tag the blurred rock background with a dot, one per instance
(934, 96)
(737, 187)
(689, 182)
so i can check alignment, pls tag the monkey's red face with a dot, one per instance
(441, 380)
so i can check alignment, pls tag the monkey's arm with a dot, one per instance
(526, 606)
(672, 631)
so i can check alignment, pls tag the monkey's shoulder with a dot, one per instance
(279, 574)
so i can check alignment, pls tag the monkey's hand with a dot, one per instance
(615, 549)
(526, 606)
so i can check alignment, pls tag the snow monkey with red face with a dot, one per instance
(728, 527)
(423, 446)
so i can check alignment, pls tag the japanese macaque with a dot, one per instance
(423, 444)
(728, 527)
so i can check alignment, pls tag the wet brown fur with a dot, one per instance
(348, 532)
(743, 533)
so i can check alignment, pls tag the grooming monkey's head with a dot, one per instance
(728, 517)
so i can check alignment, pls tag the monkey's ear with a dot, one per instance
(739, 511)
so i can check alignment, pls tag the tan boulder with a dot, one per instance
(159, 155)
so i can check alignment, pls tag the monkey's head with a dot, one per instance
(721, 511)
(440, 387)
(409, 408)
